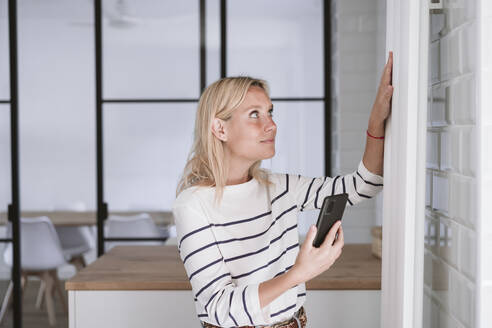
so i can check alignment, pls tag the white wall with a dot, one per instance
(484, 119)
(358, 57)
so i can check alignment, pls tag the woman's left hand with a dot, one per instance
(382, 105)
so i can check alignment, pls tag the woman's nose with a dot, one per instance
(270, 125)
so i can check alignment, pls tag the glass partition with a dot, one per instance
(56, 145)
(150, 49)
(280, 41)
(145, 150)
(5, 200)
(4, 52)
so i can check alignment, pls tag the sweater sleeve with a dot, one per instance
(359, 185)
(224, 303)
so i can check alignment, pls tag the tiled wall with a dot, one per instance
(356, 70)
(450, 260)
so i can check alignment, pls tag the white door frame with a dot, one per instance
(407, 35)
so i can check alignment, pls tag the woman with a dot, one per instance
(237, 223)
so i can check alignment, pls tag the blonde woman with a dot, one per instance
(237, 223)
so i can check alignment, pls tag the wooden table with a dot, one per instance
(147, 286)
(87, 218)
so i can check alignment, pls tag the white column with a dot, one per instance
(404, 166)
(484, 122)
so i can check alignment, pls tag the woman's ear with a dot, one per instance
(218, 129)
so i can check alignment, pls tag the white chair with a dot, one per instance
(172, 235)
(75, 241)
(41, 255)
(134, 226)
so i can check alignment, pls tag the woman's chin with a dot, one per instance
(269, 155)
(262, 155)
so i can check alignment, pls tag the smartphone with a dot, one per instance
(331, 211)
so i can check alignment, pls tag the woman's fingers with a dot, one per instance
(388, 68)
(330, 237)
(340, 240)
(389, 62)
(311, 261)
(387, 94)
(385, 90)
(308, 242)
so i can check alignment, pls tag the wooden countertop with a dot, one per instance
(160, 268)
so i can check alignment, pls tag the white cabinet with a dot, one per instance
(175, 308)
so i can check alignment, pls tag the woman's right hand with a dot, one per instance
(312, 261)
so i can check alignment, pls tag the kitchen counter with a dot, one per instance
(160, 268)
(147, 286)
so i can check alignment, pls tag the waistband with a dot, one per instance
(298, 320)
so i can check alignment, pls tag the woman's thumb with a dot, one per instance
(310, 235)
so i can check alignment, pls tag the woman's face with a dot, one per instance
(250, 132)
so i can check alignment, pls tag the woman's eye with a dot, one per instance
(255, 113)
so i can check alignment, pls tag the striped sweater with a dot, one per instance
(251, 237)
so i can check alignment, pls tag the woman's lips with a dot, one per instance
(269, 141)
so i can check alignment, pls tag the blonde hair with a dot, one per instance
(206, 165)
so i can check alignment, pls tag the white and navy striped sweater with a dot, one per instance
(252, 237)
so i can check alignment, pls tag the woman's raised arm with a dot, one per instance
(374, 153)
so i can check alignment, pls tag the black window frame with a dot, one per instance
(102, 206)
(13, 209)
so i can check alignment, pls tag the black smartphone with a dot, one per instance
(331, 211)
